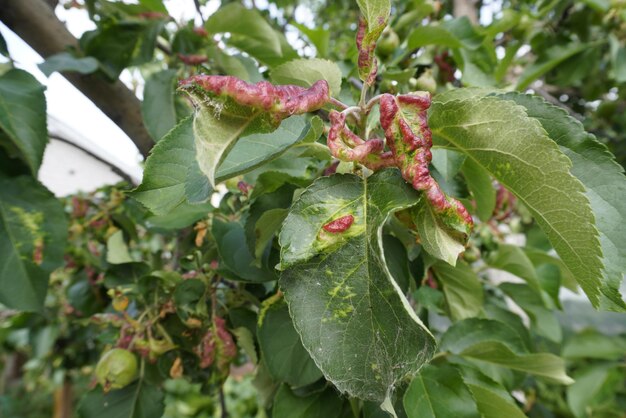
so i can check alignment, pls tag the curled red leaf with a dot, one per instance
(217, 346)
(405, 122)
(348, 146)
(339, 225)
(283, 101)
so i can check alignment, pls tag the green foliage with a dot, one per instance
(275, 262)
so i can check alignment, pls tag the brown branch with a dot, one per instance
(35, 22)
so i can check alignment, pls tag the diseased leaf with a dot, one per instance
(284, 356)
(23, 116)
(305, 72)
(33, 231)
(495, 343)
(498, 135)
(462, 289)
(439, 392)
(437, 238)
(442, 222)
(158, 106)
(605, 186)
(375, 15)
(349, 312)
(64, 61)
(228, 108)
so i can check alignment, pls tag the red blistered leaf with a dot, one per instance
(367, 62)
(339, 225)
(281, 100)
(404, 119)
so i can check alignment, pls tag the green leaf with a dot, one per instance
(265, 227)
(455, 34)
(591, 344)
(23, 116)
(319, 37)
(154, 5)
(33, 231)
(530, 300)
(432, 35)
(325, 404)
(285, 357)
(437, 238)
(348, 310)
(480, 185)
(234, 253)
(439, 392)
(605, 186)
(514, 260)
(495, 343)
(189, 299)
(138, 400)
(64, 61)
(251, 33)
(117, 251)
(549, 59)
(618, 59)
(493, 400)
(118, 45)
(182, 216)
(462, 289)
(158, 107)
(254, 150)
(499, 136)
(305, 72)
(169, 171)
(397, 261)
(594, 386)
(447, 162)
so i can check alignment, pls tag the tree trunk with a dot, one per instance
(466, 8)
(35, 22)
